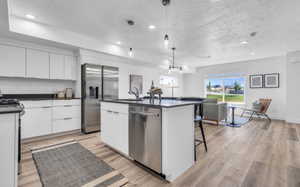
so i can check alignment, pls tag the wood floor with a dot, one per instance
(257, 154)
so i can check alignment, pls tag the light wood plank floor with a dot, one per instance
(257, 154)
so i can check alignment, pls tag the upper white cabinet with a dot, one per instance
(70, 68)
(57, 66)
(12, 61)
(37, 64)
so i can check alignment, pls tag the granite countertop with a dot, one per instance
(33, 97)
(165, 103)
(10, 109)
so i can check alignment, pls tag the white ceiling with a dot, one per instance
(198, 28)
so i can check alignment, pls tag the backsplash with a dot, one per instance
(33, 86)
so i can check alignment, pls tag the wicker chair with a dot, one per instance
(259, 110)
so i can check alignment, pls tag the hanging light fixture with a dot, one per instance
(166, 40)
(130, 53)
(166, 37)
(172, 67)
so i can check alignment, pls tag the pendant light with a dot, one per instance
(165, 3)
(172, 67)
(166, 40)
(130, 53)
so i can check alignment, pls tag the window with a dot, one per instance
(231, 90)
(168, 81)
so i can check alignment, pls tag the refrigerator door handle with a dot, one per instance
(97, 92)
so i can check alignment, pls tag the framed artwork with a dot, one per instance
(136, 82)
(271, 80)
(256, 81)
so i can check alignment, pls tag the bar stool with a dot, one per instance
(198, 120)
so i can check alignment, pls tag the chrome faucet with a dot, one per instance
(136, 93)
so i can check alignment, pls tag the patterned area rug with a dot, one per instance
(72, 165)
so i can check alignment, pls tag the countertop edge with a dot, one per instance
(152, 105)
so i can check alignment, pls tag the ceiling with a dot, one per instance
(205, 32)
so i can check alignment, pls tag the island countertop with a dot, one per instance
(164, 103)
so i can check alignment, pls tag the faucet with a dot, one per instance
(136, 93)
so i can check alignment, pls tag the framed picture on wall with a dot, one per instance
(256, 81)
(136, 82)
(271, 80)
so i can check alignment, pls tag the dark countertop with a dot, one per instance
(33, 97)
(10, 109)
(165, 103)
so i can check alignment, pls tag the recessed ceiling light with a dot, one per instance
(29, 16)
(252, 53)
(118, 42)
(152, 27)
(244, 42)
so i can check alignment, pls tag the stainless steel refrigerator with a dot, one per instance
(98, 83)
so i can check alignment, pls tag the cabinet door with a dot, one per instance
(67, 124)
(36, 122)
(108, 133)
(12, 61)
(57, 66)
(37, 64)
(70, 68)
(122, 132)
(8, 151)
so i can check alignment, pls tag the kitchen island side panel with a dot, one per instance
(177, 140)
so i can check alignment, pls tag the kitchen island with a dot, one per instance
(158, 135)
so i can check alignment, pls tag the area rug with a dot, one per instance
(72, 165)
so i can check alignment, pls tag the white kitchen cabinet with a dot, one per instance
(114, 126)
(57, 66)
(66, 124)
(12, 61)
(70, 68)
(37, 64)
(37, 121)
(9, 150)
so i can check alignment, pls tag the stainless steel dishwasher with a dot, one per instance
(145, 136)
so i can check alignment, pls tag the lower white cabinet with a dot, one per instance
(114, 126)
(9, 150)
(36, 122)
(66, 124)
(47, 117)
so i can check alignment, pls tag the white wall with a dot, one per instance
(293, 87)
(194, 83)
(126, 67)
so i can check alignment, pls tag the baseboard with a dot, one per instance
(293, 120)
(39, 138)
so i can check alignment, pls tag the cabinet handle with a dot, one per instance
(109, 111)
(116, 112)
(46, 107)
(67, 105)
(67, 118)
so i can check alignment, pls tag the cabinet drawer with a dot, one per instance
(76, 102)
(37, 104)
(66, 111)
(67, 124)
(115, 107)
